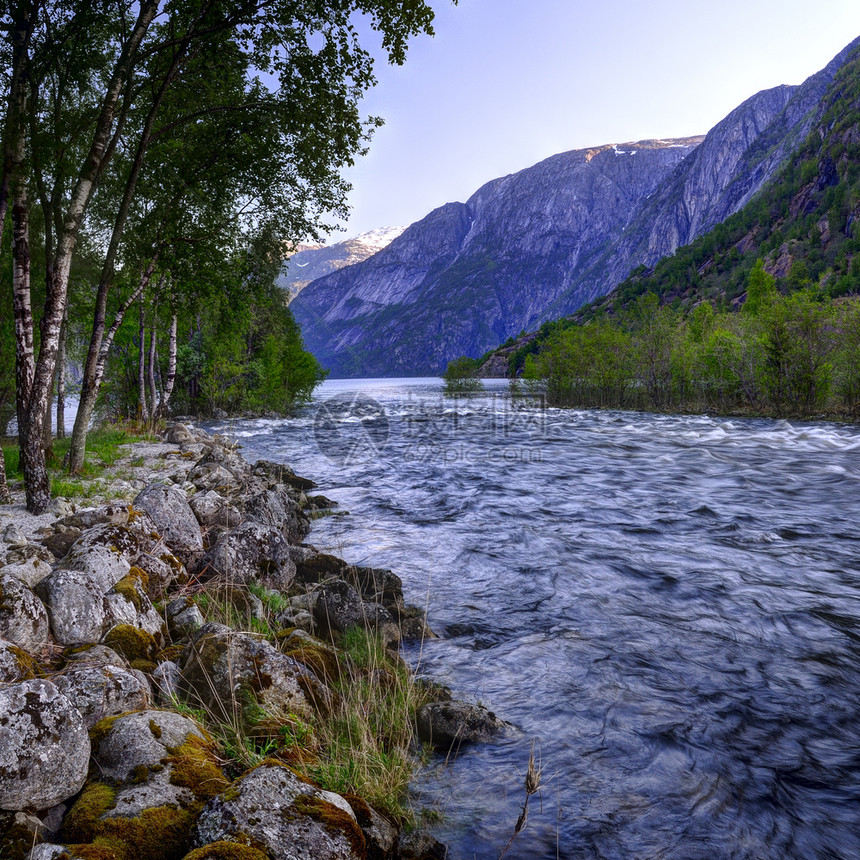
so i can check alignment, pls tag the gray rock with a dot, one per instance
(15, 663)
(178, 433)
(13, 536)
(380, 835)
(174, 520)
(30, 563)
(103, 691)
(139, 740)
(164, 571)
(44, 746)
(221, 668)
(251, 552)
(166, 677)
(104, 554)
(213, 465)
(212, 509)
(128, 603)
(214, 477)
(339, 606)
(95, 655)
(419, 845)
(61, 540)
(148, 760)
(75, 601)
(85, 519)
(183, 617)
(280, 473)
(50, 851)
(278, 510)
(23, 618)
(447, 725)
(288, 818)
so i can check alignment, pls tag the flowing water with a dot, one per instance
(669, 607)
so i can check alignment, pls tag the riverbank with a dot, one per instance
(175, 652)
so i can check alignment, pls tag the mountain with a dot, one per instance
(804, 225)
(542, 242)
(310, 262)
(460, 280)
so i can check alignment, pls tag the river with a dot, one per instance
(667, 606)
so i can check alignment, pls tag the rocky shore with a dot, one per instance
(168, 660)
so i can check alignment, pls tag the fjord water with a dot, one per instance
(669, 607)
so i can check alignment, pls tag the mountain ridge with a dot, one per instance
(545, 240)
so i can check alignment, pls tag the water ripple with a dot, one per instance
(669, 606)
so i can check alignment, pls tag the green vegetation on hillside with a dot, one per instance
(796, 355)
(673, 336)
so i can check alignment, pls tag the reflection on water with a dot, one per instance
(669, 606)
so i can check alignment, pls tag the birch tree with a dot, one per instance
(86, 91)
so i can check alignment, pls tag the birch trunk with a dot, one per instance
(32, 395)
(171, 371)
(61, 379)
(91, 387)
(153, 389)
(5, 495)
(142, 411)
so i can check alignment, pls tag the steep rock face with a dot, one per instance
(540, 243)
(739, 156)
(459, 280)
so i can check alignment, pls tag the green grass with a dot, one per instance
(105, 447)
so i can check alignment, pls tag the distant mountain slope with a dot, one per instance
(540, 243)
(466, 275)
(315, 261)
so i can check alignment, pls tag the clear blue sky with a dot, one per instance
(506, 83)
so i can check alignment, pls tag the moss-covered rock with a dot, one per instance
(132, 642)
(275, 811)
(222, 670)
(227, 851)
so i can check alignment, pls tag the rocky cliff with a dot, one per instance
(469, 274)
(540, 243)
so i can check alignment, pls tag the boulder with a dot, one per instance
(75, 600)
(419, 845)
(287, 818)
(15, 664)
(221, 669)
(212, 509)
(116, 514)
(44, 746)
(278, 510)
(23, 618)
(103, 691)
(155, 770)
(174, 520)
(183, 617)
(163, 571)
(178, 433)
(251, 552)
(30, 563)
(216, 464)
(166, 678)
(94, 655)
(339, 606)
(447, 725)
(280, 473)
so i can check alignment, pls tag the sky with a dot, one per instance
(504, 84)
